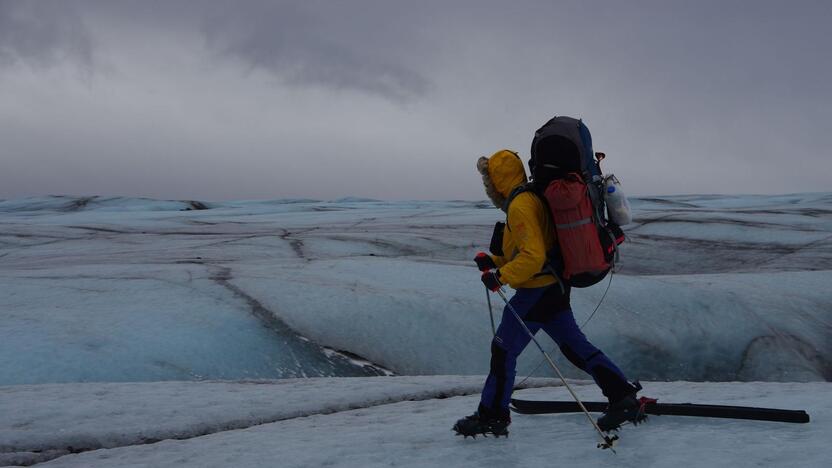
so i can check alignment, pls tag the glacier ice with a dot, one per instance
(115, 289)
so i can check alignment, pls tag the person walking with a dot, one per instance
(540, 301)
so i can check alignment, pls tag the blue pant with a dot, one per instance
(511, 339)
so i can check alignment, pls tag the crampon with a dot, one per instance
(479, 424)
(628, 411)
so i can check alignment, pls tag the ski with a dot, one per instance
(675, 409)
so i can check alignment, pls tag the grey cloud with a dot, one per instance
(356, 46)
(41, 33)
(303, 47)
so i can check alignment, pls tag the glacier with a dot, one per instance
(353, 332)
(120, 289)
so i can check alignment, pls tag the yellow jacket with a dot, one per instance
(529, 233)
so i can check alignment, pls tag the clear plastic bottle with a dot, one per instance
(618, 208)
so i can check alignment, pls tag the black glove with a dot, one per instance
(484, 261)
(491, 280)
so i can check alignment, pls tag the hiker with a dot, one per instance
(540, 299)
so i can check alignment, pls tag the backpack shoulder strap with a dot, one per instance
(527, 187)
(548, 268)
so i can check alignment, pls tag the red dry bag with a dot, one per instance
(576, 228)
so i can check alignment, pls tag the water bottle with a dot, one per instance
(618, 208)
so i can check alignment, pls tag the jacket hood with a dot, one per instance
(501, 173)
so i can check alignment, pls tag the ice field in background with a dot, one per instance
(119, 316)
(116, 289)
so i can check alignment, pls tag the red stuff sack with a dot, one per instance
(577, 232)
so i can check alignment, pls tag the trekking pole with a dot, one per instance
(490, 311)
(608, 441)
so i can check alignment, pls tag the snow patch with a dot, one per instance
(41, 422)
(417, 433)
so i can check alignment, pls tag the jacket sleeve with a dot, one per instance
(498, 260)
(527, 232)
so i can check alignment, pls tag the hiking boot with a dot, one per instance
(627, 409)
(484, 421)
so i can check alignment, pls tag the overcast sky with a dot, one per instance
(221, 100)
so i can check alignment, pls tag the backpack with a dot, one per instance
(566, 176)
